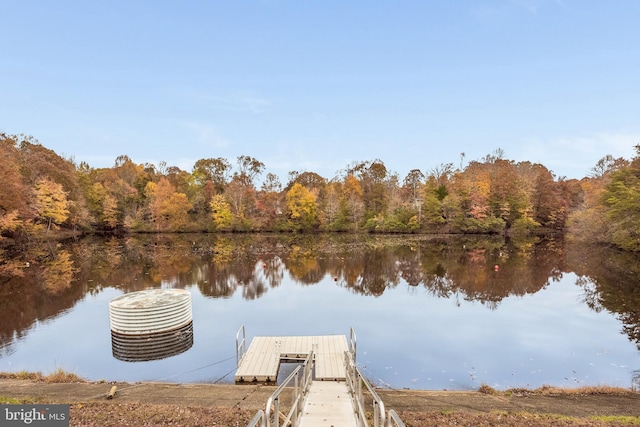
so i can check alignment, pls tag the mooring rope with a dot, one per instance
(222, 377)
(175, 375)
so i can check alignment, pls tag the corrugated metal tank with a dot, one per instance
(150, 311)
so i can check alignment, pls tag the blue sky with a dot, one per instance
(317, 85)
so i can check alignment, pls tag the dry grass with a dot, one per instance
(136, 414)
(57, 376)
(112, 413)
(462, 418)
(580, 391)
(115, 412)
(62, 376)
(486, 389)
(557, 391)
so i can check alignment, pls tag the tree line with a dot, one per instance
(43, 191)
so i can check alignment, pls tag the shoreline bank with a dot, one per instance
(245, 400)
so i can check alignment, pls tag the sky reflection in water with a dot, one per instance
(407, 337)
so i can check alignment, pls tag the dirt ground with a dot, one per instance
(163, 404)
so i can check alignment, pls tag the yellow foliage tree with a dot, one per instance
(169, 210)
(302, 207)
(221, 212)
(51, 202)
(353, 194)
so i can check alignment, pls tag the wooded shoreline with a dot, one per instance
(43, 192)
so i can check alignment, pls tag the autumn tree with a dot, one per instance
(607, 165)
(168, 209)
(181, 180)
(248, 170)
(309, 180)
(126, 181)
(14, 194)
(371, 175)
(506, 200)
(38, 162)
(237, 194)
(215, 170)
(51, 202)
(621, 200)
(471, 190)
(331, 213)
(441, 176)
(488, 196)
(103, 205)
(221, 213)
(353, 199)
(413, 184)
(269, 202)
(302, 208)
(432, 208)
(210, 176)
(549, 208)
(241, 191)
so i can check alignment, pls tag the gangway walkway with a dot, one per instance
(333, 397)
(328, 403)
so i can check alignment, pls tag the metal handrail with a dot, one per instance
(302, 377)
(355, 381)
(299, 395)
(241, 345)
(352, 343)
(257, 420)
(394, 419)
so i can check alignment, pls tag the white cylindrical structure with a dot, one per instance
(150, 311)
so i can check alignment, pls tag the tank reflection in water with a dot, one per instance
(154, 346)
(151, 324)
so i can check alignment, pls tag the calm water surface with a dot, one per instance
(428, 313)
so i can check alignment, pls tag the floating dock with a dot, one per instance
(325, 389)
(261, 361)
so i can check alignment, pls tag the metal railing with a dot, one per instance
(394, 419)
(257, 420)
(301, 378)
(241, 345)
(355, 382)
(352, 343)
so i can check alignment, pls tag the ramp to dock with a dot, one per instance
(261, 361)
(326, 389)
(328, 403)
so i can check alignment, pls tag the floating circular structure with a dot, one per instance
(150, 311)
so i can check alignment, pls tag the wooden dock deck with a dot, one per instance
(261, 361)
(328, 404)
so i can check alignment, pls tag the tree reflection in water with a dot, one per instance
(42, 281)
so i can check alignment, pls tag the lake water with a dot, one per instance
(428, 313)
